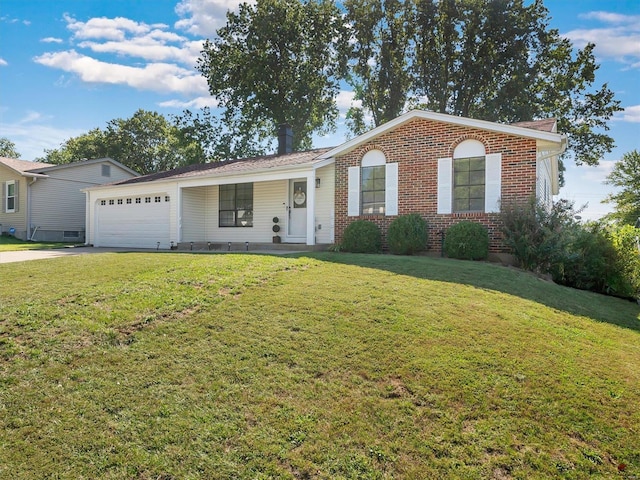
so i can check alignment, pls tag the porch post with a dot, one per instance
(311, 208)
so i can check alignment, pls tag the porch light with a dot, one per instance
(317, 183)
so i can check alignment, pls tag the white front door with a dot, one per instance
(297, 208)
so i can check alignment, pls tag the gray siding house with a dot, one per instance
(44, 202)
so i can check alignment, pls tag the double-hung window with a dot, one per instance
(373, 186)
(468, 184)
(236, 205)
(471, 181)
(373, 190)
(10, 196)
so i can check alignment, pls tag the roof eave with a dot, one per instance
(444, 118)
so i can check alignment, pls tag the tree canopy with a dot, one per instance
(626, 177)
(275, 62)
(147, 142)
(8, 148)
(496, 61)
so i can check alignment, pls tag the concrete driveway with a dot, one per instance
(24, 255)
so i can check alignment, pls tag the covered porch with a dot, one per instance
(293, 206)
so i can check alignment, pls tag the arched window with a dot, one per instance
(372, 183)
(469, 177)
(373, 186)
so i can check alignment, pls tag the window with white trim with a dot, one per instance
(10, 196)
(468, 184)
(471, 181)
(236, 205)
(373, 186)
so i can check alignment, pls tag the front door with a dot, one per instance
(297, 208)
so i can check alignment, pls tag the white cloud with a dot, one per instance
(630, 114)
(103, 28)
(3, 62)
(597, 173)
(51, 40)
(157, 77)
(619, 40)
(345, 100)
(34, 133)
(610, 17)
(204, 17)
(199, 102)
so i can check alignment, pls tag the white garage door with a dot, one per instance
(139, 222)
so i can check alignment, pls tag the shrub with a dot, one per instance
(407, 235)
(362, 236)
(536, 235)
(467, 240)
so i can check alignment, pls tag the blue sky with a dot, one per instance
(68, 66)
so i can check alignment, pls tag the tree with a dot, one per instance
(496, 61)
(147, 143)
(83, 147)
(625, 176)
(381, 35)
(8, 148)
(275, 62)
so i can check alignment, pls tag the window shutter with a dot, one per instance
(16, 201)
(445, 173)
(493, 182)
(4, 197)
(353, 207)
(391, 189)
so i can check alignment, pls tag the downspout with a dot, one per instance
(31, 235)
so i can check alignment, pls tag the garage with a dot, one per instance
(138, 221)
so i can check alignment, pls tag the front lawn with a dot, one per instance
(172, 366)
(10, 244)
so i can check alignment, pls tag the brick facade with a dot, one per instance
(416, 146)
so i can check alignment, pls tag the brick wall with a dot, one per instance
(416, 147)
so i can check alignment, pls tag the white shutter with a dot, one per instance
(493, 182)
(353, 207)
(391, 189)
(445, 173)
(16, 198)
(4, 197)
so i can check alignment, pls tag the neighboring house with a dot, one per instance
(44, 202)
(443, 167)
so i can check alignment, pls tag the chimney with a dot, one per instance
(285, 139)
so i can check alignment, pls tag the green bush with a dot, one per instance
(407, 235)
(362, 236)
(593, 257)
(467, 240)
(535, 234)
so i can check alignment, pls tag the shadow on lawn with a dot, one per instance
(602, 308)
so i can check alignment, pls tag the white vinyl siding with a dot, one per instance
(57, 202)
(325, 214)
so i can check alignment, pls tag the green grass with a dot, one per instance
(179, 366)
(10, 244)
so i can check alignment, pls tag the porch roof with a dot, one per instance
(233, 167)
